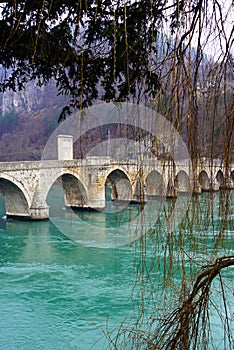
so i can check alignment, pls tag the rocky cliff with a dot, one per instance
(31, 100)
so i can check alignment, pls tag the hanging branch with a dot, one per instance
(186, 327)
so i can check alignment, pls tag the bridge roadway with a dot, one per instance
(24, 186)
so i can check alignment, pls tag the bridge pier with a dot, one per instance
(39, 213)
(97, 200)
(229, 184)
(139, 194)
(34, 214)
(171, 189)
(38, 208)
(214, 185)
(196, 187)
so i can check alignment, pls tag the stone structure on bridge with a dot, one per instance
(24, 186)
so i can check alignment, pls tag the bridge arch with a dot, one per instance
(232, 175)
(155, 185)
(220, 178)
(182, 182)
(15, 198)
(75, 192)
(203, 180)
(119, 185)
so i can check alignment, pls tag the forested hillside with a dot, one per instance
(27, 118)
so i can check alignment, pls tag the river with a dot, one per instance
(56, 293)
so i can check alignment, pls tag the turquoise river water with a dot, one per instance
(56, 293)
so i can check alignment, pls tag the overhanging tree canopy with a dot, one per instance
(86, 46)
(112, 49)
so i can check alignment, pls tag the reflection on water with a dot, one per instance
(119, 223)
(57, 293)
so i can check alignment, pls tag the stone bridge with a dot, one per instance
(24, 186)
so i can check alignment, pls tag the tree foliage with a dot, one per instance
(85, 45)
(113, 50)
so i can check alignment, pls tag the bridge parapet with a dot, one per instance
(37, 165)
(97, 160)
